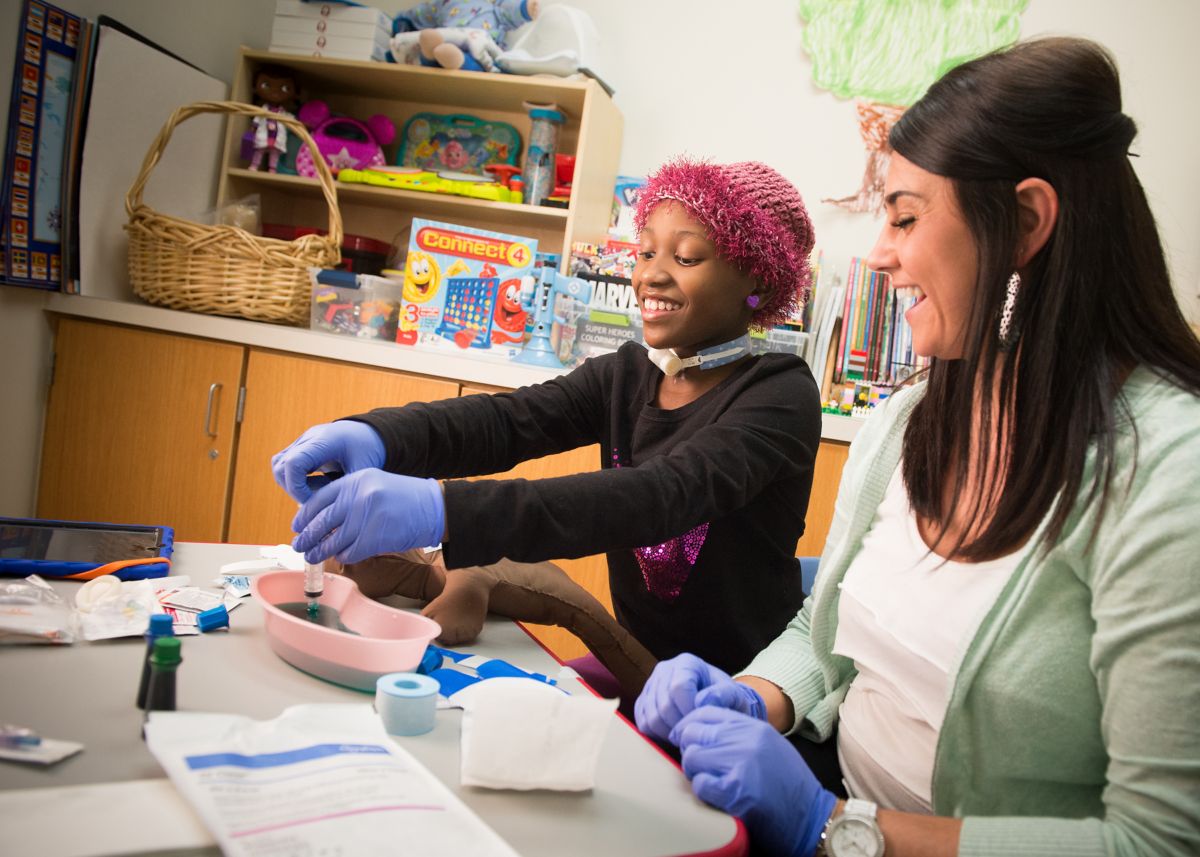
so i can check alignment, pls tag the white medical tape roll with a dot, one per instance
(407, 702)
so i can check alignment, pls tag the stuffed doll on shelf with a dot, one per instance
(275, 91)
(458, 35)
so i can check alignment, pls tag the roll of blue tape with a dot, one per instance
(407, 703)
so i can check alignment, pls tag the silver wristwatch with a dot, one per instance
(854, 833)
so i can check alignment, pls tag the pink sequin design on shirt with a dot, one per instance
(666, 567)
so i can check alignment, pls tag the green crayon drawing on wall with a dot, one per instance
(886, 53)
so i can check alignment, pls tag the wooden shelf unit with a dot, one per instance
(592, 132)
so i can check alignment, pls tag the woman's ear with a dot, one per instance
(1037, 213)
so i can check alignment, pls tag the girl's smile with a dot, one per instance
(689, 297)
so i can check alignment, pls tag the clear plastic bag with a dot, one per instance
(32, 612)
(245, 212)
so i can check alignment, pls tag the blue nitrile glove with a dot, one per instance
(746, 768)
(683, 683)
(347, 443)
(367, 513)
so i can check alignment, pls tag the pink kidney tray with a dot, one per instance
(382, 639)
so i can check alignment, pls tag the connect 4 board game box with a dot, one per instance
(462, 288)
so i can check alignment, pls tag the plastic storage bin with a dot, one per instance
(359, 305)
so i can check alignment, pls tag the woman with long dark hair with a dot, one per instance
(1004, 635)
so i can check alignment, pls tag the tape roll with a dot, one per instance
(406, 702)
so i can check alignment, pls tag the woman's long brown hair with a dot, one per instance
(1095, 302)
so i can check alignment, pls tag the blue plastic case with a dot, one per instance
(20, 537)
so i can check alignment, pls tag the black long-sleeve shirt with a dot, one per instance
(739, 459)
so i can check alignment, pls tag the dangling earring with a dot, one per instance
(752, 301)
(1007, 337)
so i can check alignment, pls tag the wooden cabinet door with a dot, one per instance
(140, 429)
(285, 395)
(827, 476)
(590, 572)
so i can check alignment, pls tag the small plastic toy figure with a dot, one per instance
(275, 89)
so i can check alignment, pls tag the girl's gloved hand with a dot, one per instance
(348, 444)
(746, 768)
(684, 683)
(367, 513)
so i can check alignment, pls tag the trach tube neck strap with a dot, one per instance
(672, 364)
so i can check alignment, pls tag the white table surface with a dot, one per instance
(113, 798)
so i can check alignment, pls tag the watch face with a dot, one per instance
(852, 836)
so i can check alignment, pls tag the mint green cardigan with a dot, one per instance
(1073, 727)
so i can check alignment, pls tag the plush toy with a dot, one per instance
(458, 35)
(343, 141)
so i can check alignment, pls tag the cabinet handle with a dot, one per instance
(208, 411)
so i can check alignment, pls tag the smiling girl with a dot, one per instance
(707, 451)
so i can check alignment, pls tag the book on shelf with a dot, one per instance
(875, 342)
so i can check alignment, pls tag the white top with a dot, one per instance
(904, 617)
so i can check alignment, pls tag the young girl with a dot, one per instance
(707, 451)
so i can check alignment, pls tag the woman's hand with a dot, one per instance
(684, 683)
(743, 766)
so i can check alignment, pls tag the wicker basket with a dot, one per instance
(224, 270)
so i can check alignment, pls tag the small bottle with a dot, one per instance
(160, 625)
(165, 660)
(539, 154)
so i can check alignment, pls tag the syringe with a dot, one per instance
(314, 574)
(314, 585)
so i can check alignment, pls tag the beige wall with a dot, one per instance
(690, 76)
(733, 83)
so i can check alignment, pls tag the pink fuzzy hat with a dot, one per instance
(755, 217)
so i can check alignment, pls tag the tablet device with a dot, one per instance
(80, 548)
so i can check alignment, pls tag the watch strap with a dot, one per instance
(857, 806)
(853, 807)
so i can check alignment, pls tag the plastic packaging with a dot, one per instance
(245, 213)
(32, 612)
(358, 305)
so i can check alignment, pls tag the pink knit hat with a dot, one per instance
(755, 217)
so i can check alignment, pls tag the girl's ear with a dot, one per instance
(1037, 213)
